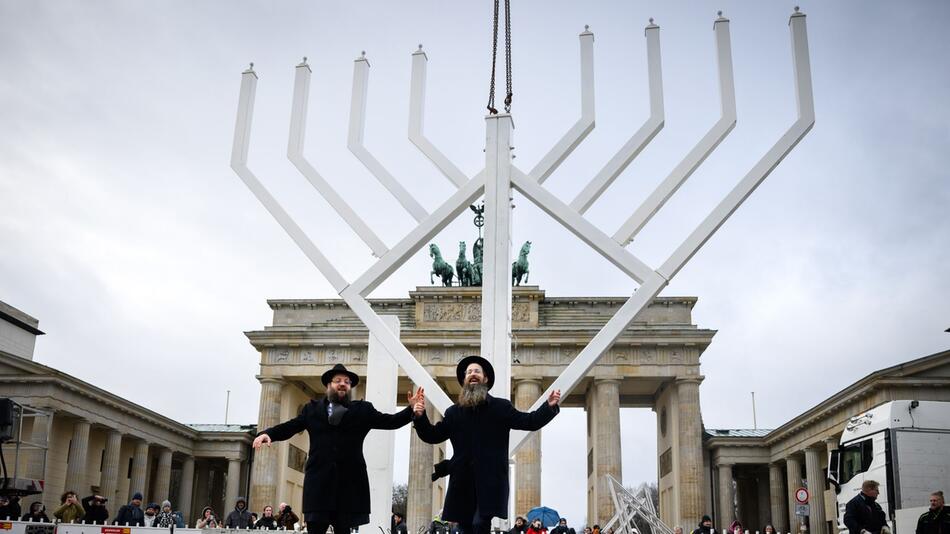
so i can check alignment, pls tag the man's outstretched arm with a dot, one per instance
(531, 421)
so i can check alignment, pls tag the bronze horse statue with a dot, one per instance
(519, 268)
(463, 267)
(439, 267)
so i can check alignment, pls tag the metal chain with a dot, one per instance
(494, 58)
(508, 55)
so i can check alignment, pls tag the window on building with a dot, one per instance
(296, 458)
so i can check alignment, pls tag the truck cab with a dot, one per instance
(905, 447)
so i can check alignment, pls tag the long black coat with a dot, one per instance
(335, 460)
(479, 466)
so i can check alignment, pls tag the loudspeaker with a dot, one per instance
(9, 419)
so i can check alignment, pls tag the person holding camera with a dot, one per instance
(207, 519)
(70, 511)
(96, 512)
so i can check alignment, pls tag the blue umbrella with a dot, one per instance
(548, 517)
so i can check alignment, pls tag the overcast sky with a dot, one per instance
(123, 229)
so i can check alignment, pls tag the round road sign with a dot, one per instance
(801, 495)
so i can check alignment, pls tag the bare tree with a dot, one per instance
(400, 498)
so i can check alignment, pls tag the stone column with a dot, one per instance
(163, 476)
(110, 467)
(778, 504)
(528, 459)
(264, 470)
(202, 495)
(816, 488)
(185, 491)
(419, 500)
(36, 465)
(139, 469)
(727, 513)
(690, 432)
(607, 458)
(793, 468)
(76, 464)
(234, 483)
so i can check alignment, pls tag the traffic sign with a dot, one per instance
(801, 495)
(801, 509)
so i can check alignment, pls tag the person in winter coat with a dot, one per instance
(336, 486)
(267, 520)
(705, 526)
(736, 527)
(863, 512)
(936, 520)
(96, 512)
(239, 517)
(561, 527)
(207, 519)
(478, 426)
(70, 511)
(151, 514)
(165, 517)
(537, 528)
(520, 526)
(37, 513)
(286, 517)
(10, 507)
(131, 514)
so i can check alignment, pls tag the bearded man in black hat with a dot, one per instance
(478, 426)
(336, 487)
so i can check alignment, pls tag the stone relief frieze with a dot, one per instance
(468, 312)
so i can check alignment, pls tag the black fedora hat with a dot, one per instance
(468, 360)
(338, 369)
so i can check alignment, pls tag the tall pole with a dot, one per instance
(754, 424)
(496, 277)
(227, 404)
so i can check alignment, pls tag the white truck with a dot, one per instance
(903, 445)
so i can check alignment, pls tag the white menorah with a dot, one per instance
(497, 179)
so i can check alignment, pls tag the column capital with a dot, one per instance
(527, 381)
(722, 464)
(599, 381)
(271, 380)
(680, 380)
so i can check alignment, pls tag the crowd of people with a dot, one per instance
(92, 510)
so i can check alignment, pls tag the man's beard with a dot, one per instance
(473, 394)
(336, 397)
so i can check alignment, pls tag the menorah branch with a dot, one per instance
(416, 119)
(698, 154)
(640, 139)
(584, 125)
(765, 165)
(295, 143)
(239, 150)
(354, 142)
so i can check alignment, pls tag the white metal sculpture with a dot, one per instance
(630, 506)
(497, 179)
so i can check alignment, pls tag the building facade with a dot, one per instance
(755, 473)
(79, 437)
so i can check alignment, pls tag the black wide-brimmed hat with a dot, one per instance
(338, 369)
(468, 360)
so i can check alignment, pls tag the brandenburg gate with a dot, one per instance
(654, 364)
